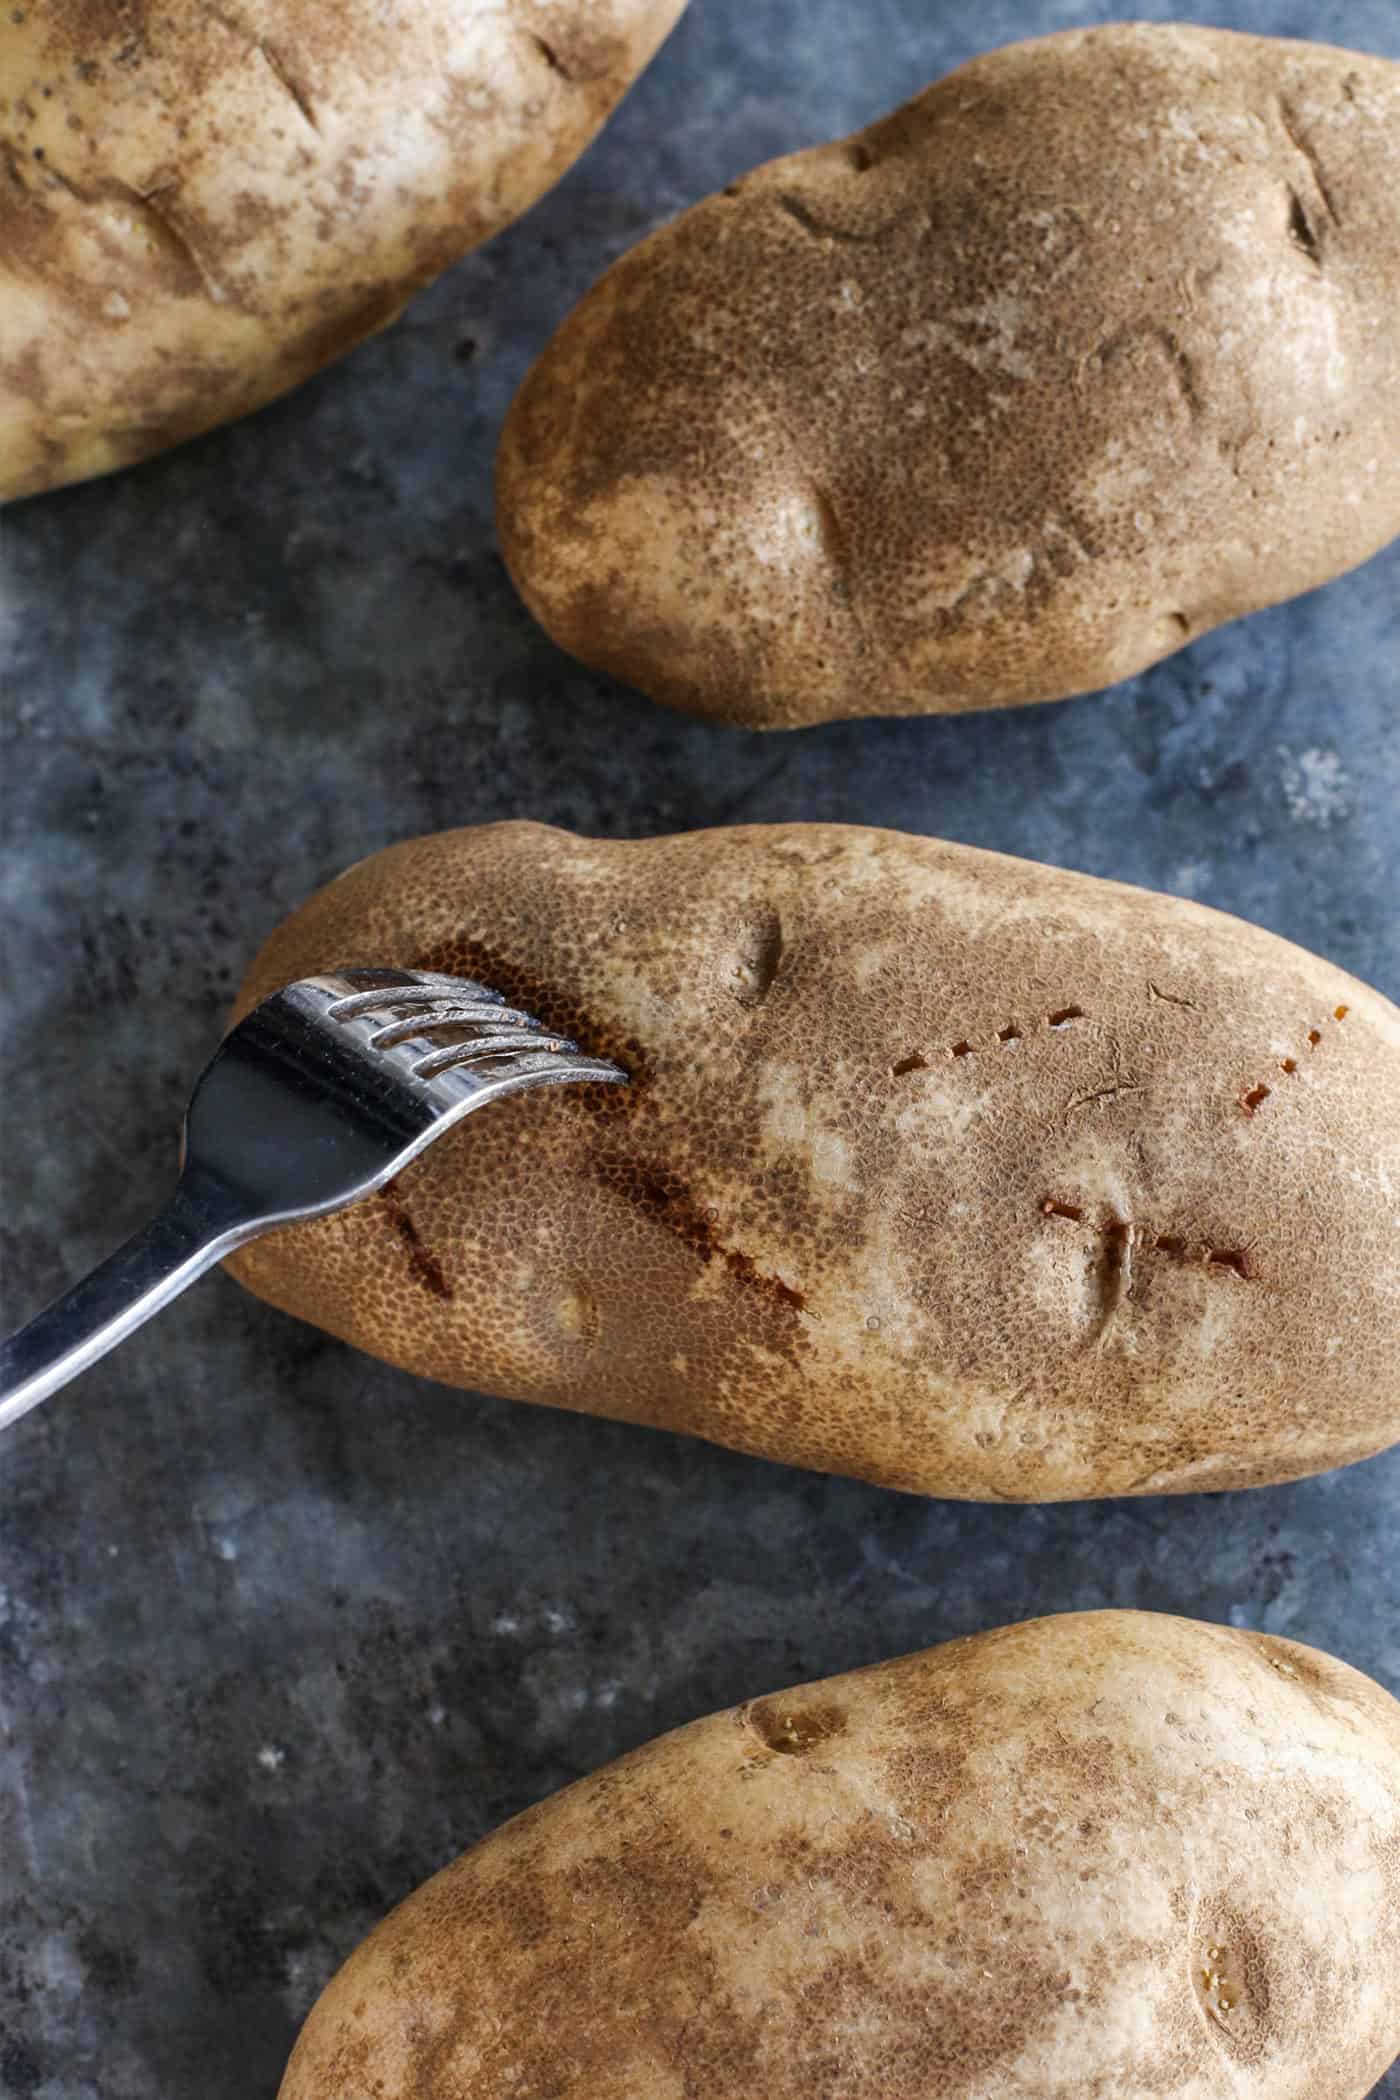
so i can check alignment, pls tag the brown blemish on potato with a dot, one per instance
(1254, 1097)
(1057, 238)
(1117, 1238)
(764, 1155)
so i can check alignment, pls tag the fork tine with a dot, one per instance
(485, 1018)
(430, 993)
(508, 1042)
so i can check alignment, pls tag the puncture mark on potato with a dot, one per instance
(915, 1061)
(661, 1194)
(1123, 1236)
(1254, 1097)
(1169, 998)
(425, 1266)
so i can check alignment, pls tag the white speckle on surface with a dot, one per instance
(226, 1548)
(437, 1714)
(557, 1621)
(1316, 786)
(505, 1622)
(272, 1757)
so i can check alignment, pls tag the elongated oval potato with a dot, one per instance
(1105, 1854)
(201, 205)
(1092, 346)
(943, 1169)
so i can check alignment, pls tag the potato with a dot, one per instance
(1094, 345)
(1109, 1854)
(939, 1168)
(204, 204)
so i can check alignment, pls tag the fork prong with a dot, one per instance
(484, 1047)
(432, 993)
(485, 1019)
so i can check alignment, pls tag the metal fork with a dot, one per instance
(321, 1095)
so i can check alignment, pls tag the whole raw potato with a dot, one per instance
(1092, 346)
(201, 205)
(1088, 1858)
(939, 1168)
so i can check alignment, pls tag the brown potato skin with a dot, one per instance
(1095, 1857)
(1089, 348)
(829, 1221)
(202, 205)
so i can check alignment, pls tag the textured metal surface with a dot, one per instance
(282, 1630)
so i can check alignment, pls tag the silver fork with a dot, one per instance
(321, 1095)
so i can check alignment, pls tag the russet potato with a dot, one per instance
(1110, 1854)
(201, 205)
(1092, 346)
(939, 1168)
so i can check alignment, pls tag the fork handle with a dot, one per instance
(195, 1230)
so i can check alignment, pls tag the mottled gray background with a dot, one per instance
(281, 1629)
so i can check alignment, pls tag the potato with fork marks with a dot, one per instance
(939, 1168)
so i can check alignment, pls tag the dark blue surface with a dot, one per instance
(281, 1630)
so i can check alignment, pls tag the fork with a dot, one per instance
(320, 1096)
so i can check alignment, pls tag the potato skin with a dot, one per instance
(1089, 348)
(1093, 1857)
(205, 204)
(939, 1168)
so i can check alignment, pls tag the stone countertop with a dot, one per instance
(282, 1630)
